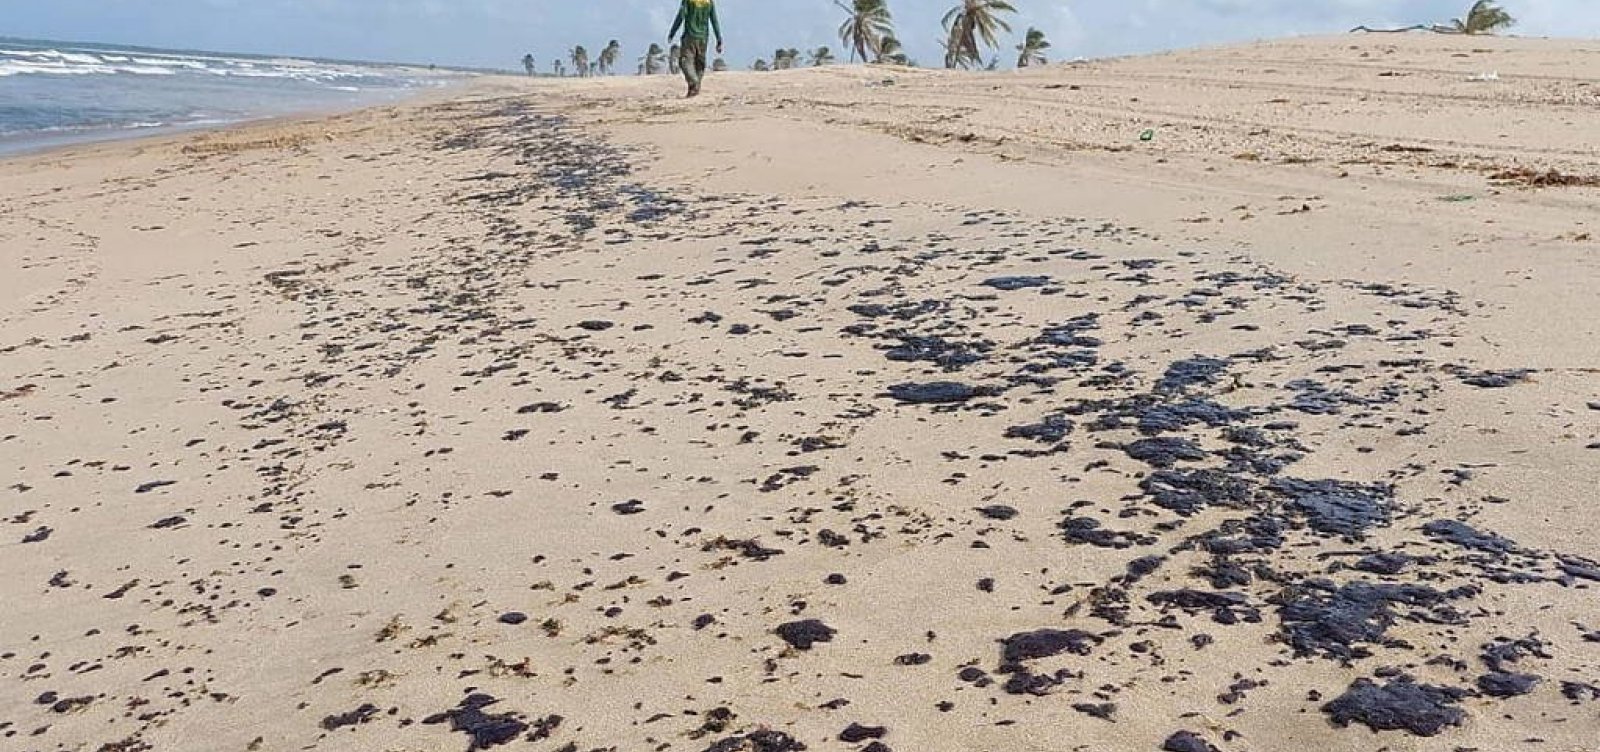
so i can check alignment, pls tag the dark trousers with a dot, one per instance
(692, 59)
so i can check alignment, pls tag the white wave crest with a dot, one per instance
(170, 62)
(18, 68)
(142, 70)
(79, 62)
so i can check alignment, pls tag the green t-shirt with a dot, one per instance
(698, 19)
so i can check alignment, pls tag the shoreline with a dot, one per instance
(572, 415)
(69, 146)
(38, 144)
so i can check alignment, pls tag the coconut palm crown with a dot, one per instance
(653, 60)
(1031, 51)
(969, 24)
(1485, 17)
(609, 57)
(865, 28)
(891, 52)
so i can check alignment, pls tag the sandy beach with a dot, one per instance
(1239, 399)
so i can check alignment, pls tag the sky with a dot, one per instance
(496, 33)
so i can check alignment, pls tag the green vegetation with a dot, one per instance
(970, 24)
(865, 28)
(1485, 17)
(1031, 51)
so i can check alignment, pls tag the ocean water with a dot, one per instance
(54, 93)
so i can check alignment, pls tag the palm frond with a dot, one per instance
(1485, 17)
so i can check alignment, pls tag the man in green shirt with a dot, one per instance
(698, 19)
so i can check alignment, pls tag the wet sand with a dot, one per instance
(842, 409)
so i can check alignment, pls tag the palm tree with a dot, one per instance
(675, 60)
(821, 56)
(527, 63)
(559, 67)
(791, 57)
(1485, 17)
(890, 52)
(609, 57)
(719, 65)
(652, 61)
(760, 66)
(864, 30)
(969, 23)
(1032, 48)
(580, 60)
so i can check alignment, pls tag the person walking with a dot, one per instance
(698, 20)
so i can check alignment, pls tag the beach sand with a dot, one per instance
(851, 408)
